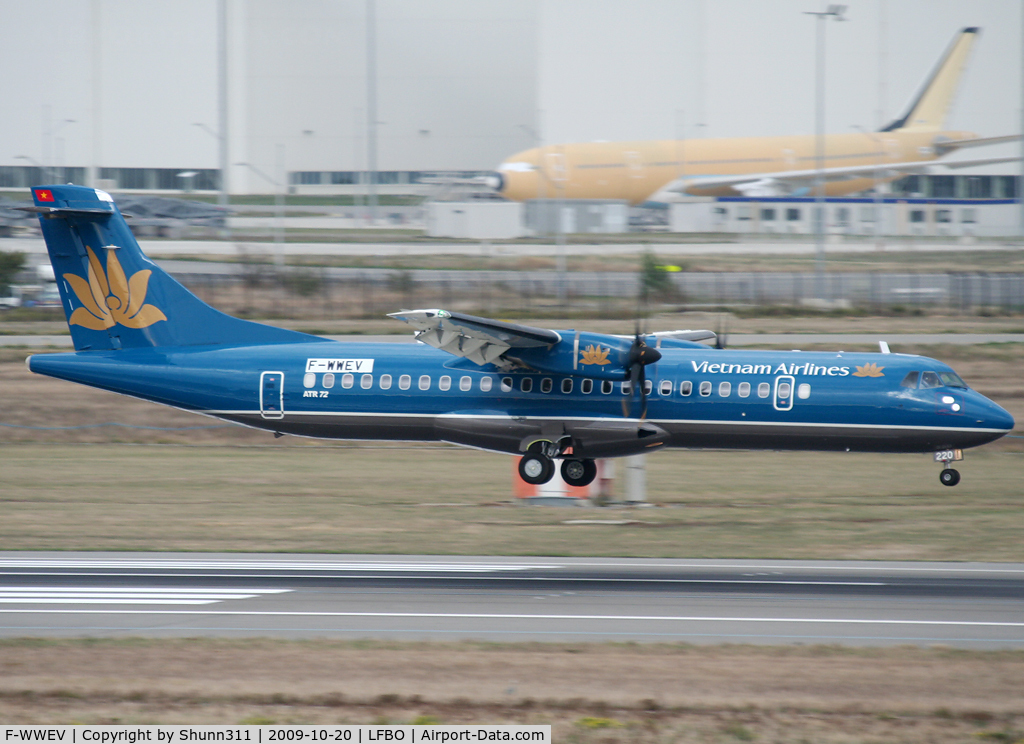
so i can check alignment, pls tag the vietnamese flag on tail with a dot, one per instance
(44, 195)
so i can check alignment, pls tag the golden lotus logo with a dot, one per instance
(594, 355)
(869, 370)
(111, 298)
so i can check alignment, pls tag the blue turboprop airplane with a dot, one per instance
(546, 395)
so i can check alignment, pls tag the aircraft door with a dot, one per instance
(784, 391)
(272, 395)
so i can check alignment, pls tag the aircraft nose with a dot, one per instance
(495, 181)
(994, 416)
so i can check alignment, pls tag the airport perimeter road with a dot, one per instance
(511, 599)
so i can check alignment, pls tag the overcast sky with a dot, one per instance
(608, 69)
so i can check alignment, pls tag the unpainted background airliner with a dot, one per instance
(545, 395)
(664, 170)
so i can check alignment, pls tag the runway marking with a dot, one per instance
(126, 595)
(522, 616)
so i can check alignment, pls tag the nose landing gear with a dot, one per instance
(949, 476)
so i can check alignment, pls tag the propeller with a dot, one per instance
(722, 336)
(638, 357)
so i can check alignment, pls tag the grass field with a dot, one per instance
(604, 694)
(352, 500)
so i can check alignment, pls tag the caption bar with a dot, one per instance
(271, 734)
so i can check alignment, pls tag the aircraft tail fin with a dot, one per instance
(113, 295)
(928, 111)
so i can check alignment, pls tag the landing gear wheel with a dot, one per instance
(536, 469)
(579, 473)
(949, 477)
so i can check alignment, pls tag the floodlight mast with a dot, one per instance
(832, 11)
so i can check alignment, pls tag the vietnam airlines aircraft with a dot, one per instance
(662, 171)
(546, 395)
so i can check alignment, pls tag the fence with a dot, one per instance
(337, 293)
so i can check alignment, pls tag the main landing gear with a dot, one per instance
(536, 467)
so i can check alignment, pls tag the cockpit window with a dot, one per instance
(951, 379)
(910, 380)
(930, 380)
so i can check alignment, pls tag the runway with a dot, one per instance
(511, 599)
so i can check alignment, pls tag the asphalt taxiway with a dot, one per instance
(511, 599)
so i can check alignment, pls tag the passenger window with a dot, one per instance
(567, 385)
(930, 380)
(506, 384)
(648, 387)
(764, 390)
(627, 388)
(587, 386)
(784, 389)
(485, 385)
(666, 387)
(347, 379)
(465, 383)
(526, 385)
(366, 382)
(606, 386)
(724, 389)
(329, 380)
(308, 380)
(424, 382)
(685, 387)
(803, 391)
(705, 388)
(744, 389)
(385, 382)
(445, 383)
(404, 382)
(546, 385)
(910, 381)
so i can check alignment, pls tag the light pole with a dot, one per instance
(371, 107)
(278, 203)
(223, 198)
(836, 12)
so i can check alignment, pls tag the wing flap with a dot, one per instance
(481, 340)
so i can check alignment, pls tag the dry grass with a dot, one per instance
(367, 500)
(588, 692)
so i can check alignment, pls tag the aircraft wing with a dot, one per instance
(480, 340)
(800, 182)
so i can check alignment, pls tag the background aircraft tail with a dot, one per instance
(928, 110)
(114, 296)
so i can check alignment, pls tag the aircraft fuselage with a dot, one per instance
(699, 398)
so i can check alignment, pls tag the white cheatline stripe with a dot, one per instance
(517, 616)
(126, 595)
(268, 565)
(689, 422)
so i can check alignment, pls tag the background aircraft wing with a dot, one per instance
(480, 340)
(798, 182)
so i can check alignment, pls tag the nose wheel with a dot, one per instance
(949, 476)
